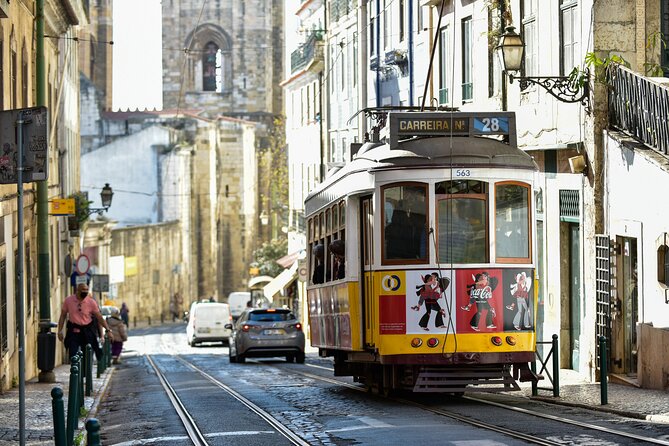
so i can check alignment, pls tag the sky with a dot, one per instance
(137, 57)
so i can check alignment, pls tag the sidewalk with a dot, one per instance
(39, 416)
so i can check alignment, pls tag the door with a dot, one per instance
(575, 294)
(625, 309)
(367, 256)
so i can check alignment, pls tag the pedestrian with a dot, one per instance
(117, 327)
(124, 314)
(80, 309)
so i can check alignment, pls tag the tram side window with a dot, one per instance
(405, 223)
(512, 242)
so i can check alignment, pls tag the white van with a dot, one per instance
(238, 302)
(206, 323)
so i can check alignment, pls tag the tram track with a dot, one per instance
(194, 433)
(484, 425)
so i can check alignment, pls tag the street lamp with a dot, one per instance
(264, 218)
(510, 50)
(106, 198)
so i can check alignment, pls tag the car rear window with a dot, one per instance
(273, 316)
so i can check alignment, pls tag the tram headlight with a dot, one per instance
(432, 342)
(496, 340)
(511, 340)
(416, 342)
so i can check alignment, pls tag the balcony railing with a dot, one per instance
(310, 50)
(639, 107)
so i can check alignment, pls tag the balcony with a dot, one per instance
(638, 106)
(309, 55)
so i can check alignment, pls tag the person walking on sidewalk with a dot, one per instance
(120, 334)
(80, 309)
(124, 314)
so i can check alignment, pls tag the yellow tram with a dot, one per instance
(421, 255)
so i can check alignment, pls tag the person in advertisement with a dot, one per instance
(480, 293)
(429, 294)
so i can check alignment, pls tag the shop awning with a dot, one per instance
(280, 282)
(288, 260)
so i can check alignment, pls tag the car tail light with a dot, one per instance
(298, 326)
(432, 342)
(246, 327)
(496, 340)
(511, 340)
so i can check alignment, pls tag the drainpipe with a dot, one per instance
(378, 53)
(410, 51)
(45, 349)
(363, 67)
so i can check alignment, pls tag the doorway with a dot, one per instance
(570, 296)
(624, 313)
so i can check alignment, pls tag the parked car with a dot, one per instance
(263, 332)
(207, 322)
(238, 301)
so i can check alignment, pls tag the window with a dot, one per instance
(405, 235)
(327, 244)
(14, 80)
(512, 209)
(529, 24)
(355, 59)
(271, 316)
(401, 20)
(386, 24)
(467, 60)
(372, 35)
(663, 262)
(212, 74)
(568, 36)
(24, 78)
(462, 223)
(3, 306)
(445, 66)
(2, 73)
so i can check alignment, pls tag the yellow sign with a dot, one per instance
(253, 271)
(131, 268)
(62, 206)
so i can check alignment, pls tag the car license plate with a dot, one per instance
(203, 330)
(274, 331)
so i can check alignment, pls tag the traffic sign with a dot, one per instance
(35, 145)
(83, 264)
(101, 283)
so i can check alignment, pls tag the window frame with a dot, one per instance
(470, 196)
(467, 58)
(426, 258)
(529, 22)
(572, 7)
(515, 260)
(445, 71)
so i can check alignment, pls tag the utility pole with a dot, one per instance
(46, 345)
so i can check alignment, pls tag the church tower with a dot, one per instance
(223, 57)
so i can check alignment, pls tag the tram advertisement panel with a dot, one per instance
(469, 300)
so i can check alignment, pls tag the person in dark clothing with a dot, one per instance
(337, 248)
(319, 269)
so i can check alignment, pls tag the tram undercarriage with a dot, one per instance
(436, 376)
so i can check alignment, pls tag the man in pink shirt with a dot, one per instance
(80, 309)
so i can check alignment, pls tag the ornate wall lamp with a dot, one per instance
(571, 89)
(106, 198)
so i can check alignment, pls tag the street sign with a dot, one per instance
(101, 283)
(80, 279)
(82, 264)
(62, 206)
(35, 141)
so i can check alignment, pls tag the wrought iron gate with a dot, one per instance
(603, 283)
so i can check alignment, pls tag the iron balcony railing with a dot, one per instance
(310, 50)
(639, 107)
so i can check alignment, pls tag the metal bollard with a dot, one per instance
(82, 370)
(73, 401)
(89, 369)
(101, 365)
(162, 318)
(93, 432)
(535, 387)
(603, 371)
(556, 367)
(58, 410)
(107, 352)
(149, 320)
(134, 322)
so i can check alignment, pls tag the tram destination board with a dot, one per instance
(35, 145)
(408, 125)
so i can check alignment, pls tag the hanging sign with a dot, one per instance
(35, 145)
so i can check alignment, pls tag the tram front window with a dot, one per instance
(462, 230)
(405, 218)
(512, 221)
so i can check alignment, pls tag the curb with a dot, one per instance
(624, 413)
(97, 398)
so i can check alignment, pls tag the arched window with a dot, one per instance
(212, 68)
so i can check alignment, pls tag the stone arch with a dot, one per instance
(196, 42)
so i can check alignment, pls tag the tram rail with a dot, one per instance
(483, 425)
(194, 433)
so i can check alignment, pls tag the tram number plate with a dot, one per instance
(463, 173)
(274, 331)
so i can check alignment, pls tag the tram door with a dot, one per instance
(625, 309)
(367, 247)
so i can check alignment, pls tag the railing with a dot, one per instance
(553, 378)
(639, 107)
(310, 50)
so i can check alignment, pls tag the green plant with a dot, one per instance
(81, 206)
(601, 66)
(654, 40)
(266, 256)
(79, 438)
(15, 382)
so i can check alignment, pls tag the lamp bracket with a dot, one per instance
(99, 211)
(562, 88)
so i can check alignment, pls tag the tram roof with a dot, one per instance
(433, 152)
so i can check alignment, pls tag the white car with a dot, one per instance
(206, 323)
(238, 301)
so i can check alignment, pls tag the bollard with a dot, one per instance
(535, 387)
(89, 369)
(134, 322)
(162, 318)
(556, 367)
(82, 370)
(603, 371)
(72, 401)
(93, 432)
(101, 365)
(107, 352)
(149, 320)
(58, 410)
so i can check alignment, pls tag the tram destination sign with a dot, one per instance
(35, 145)
(405, 125)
